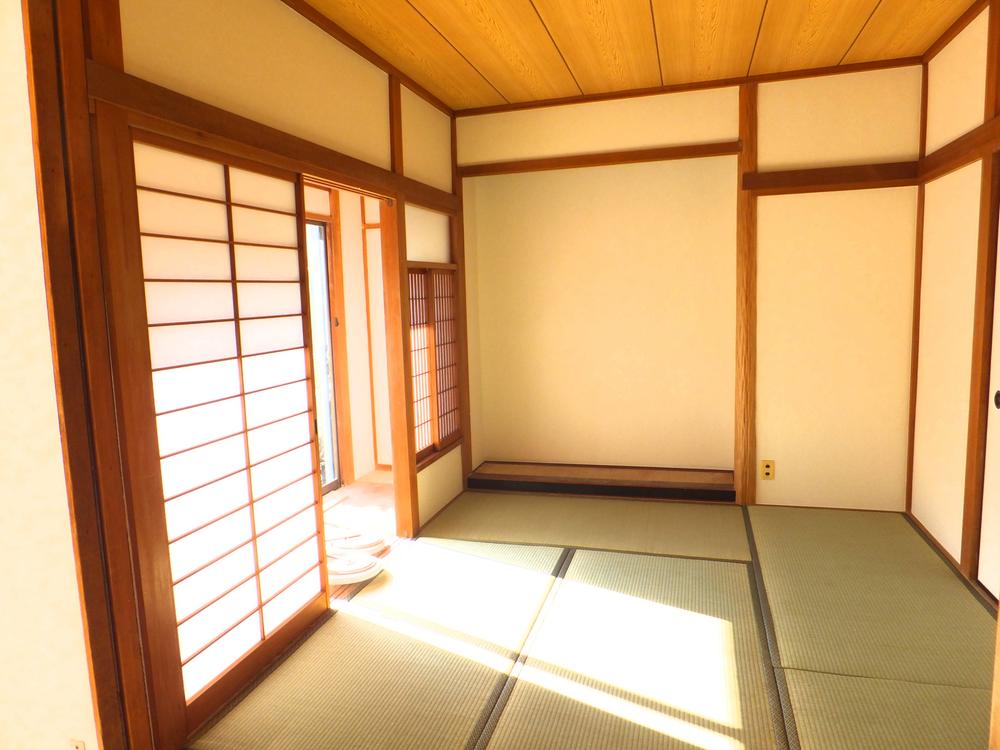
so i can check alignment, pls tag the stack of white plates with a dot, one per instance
(345, 569)
(351, 555)
(341, 541)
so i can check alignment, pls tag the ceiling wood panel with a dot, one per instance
(704, 40)
(799, 34)
(397, 32)
(608, 44)
(483, 53)
(903, 28)
(507, 42)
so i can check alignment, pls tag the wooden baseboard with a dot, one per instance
(606, 481)
(973, 585)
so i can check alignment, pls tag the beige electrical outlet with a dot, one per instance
(767, 469)
(77, 745)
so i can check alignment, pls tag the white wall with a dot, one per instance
(262, 60)
(834, 317)
(707, 116)
(947, 299)
(45, 696)
(439, 483)
(957, 85)
(426, 141)
(606, 309)
(428, 235)
(837, 120)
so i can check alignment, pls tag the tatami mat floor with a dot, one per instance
(685, 529)
(820, 630)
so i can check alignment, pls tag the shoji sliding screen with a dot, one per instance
(434, 355)
(223, 277)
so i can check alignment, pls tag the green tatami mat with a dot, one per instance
(665, 528)
(861, 593)
(834, 712)
(408, 663)
(635, 652)
(487, 595)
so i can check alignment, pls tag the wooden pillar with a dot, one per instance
(982, 337)
(745, 460)
(461, 313)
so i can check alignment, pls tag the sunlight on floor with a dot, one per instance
(656, 721)
(469, 604)
(682, 659)
(429, 636)
(470, 596)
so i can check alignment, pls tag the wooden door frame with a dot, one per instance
(338, 333)
(74, 62)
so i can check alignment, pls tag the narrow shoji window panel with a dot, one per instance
(173, 258)
(221, 262)
(446, 354)
(160, 169)
(261, 263)
(420, 355)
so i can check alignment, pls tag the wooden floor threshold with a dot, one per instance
(611, 481)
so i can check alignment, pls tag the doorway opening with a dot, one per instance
(344, 254)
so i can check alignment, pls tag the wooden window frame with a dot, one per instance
(438, 446)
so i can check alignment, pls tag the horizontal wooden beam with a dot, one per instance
(603, 159)
(975, 144)
(427, 265)
(676, 88)
(826, 179)
(269, 144)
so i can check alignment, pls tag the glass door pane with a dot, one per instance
(322, 340)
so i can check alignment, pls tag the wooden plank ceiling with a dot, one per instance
(477, 53)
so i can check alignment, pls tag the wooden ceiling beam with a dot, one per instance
(270, 146)
(826, 179)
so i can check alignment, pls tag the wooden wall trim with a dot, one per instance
(103, 32)
(975, 144)
(918, 264)
(461, 311)
(955, 29)
(717, 83)
(982, 340)
(397, 329)
(304, 9)
(395, 125)
(745, 455)
(602, 159)
(67, 213)
(860, 177)
(294, 153)
(982, 333)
